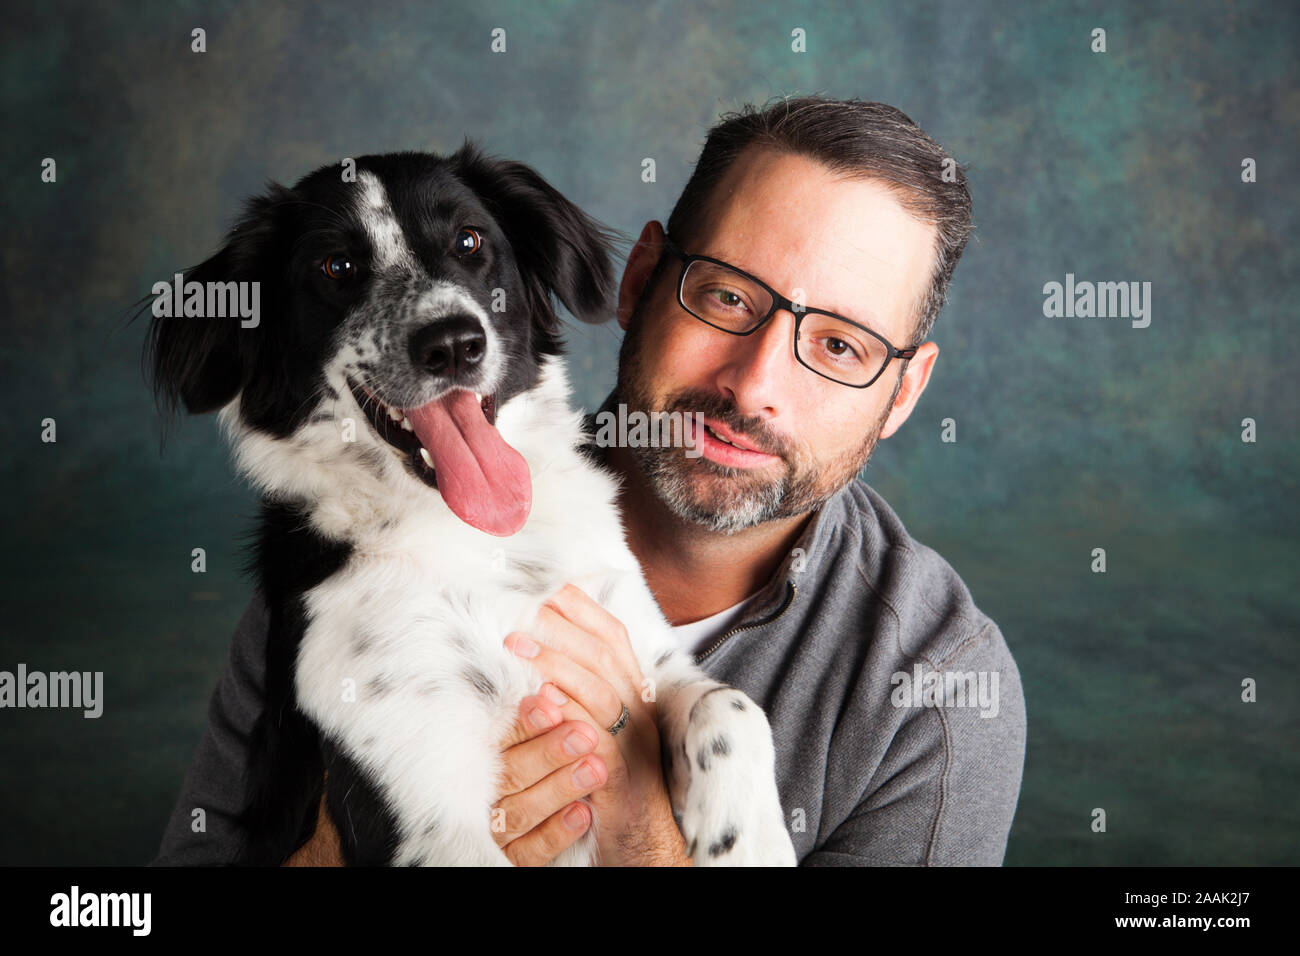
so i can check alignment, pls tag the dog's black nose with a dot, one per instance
(449, 346)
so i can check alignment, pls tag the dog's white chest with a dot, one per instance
(402, 660)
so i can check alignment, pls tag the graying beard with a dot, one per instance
(768, 503)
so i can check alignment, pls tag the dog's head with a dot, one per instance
(412, 292)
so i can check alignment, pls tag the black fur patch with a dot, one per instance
(724, 843)
(366, 826)
(721, 747)
(285, 766)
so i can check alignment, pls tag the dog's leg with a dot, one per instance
(720, 763)
(419, 722)
(718, 757)
(439, 789)
(380, 822)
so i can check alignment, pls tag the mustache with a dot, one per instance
(715, 406)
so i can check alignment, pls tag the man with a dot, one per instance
(805, 228)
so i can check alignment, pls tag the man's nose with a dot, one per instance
(760, 367)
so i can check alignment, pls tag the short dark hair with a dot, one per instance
(856, 138)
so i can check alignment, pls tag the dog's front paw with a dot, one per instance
(731, 812)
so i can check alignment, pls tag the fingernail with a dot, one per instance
(537, 717)
(576, 818)
(522, 645)
(553, 695)
(577, 743)
(585, 777)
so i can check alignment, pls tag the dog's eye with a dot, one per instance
(467, 242)
(337, 267)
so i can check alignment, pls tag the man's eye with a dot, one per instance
(468, 242)
(728, 298)
(838, 348)
(338, 267)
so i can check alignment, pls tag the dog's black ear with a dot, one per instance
(557, 246)
(200, 361)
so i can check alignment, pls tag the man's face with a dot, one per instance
(827, 242)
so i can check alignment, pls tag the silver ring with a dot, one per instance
(621, 722)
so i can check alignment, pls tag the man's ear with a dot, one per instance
(557, 246)
(199, 361)
(642, 263)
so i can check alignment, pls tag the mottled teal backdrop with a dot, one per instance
(1072, 434)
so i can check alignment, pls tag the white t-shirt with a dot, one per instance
(696, 637)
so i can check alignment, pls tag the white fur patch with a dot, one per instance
(376, 216)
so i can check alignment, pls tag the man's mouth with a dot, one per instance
(452, 444)
(722, 445)
(734, 444)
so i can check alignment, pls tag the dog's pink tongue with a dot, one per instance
(482, 479)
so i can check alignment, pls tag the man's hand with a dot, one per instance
(545, 771)
(588, 656)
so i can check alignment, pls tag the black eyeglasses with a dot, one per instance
(734, 301)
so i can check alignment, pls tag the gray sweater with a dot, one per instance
(895, 704)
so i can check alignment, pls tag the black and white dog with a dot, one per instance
(402, 405)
